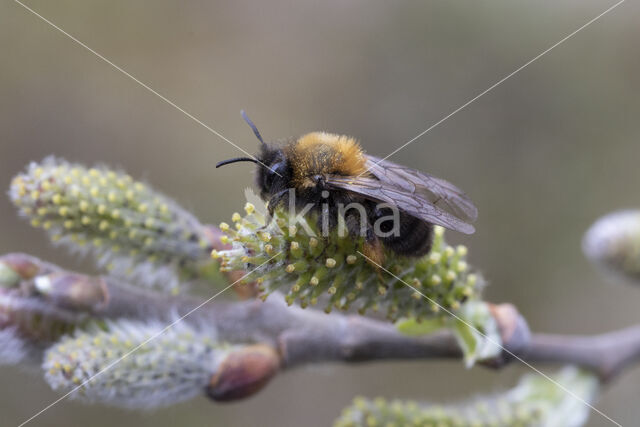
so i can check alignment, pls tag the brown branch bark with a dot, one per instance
(298, 336)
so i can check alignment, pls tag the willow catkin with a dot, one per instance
(134, 364)
(129, 228)
(330, 270)
(535, 401)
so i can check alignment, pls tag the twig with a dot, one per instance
(299, 336)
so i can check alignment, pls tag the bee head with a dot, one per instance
(273, 172)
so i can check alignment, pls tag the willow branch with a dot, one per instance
(299, 336)
(606, 354)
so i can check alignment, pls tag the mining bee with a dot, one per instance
(326, 171)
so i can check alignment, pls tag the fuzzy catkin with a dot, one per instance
(129, 228)
(13, 348)
(311, 270)
(535, 401)
(613, 243)
(134, 364)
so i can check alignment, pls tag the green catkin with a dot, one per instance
(141, 365)
(535, 401)
(129, 228)
(330, 270)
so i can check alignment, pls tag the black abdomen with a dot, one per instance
(415, 237)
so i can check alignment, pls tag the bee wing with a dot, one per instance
(440, 193)
(395, 195)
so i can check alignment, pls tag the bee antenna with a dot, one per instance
(252, 126)
(237, 159)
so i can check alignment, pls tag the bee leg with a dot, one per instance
(281, 197)
(327, 219)
(373, 251)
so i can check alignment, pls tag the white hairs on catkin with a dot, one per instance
(130, 229)
(613, 243)
(13, 348)
(135, 365)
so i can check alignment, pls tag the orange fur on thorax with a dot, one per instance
(325, 153)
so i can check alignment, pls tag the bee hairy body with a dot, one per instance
(306, 162)
(393, 207)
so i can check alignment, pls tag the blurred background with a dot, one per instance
(542, 155)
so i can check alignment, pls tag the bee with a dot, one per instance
(326, 171)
